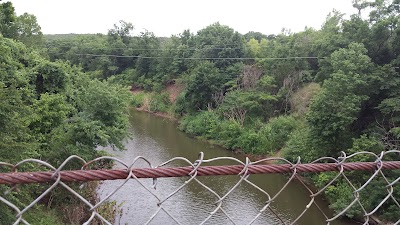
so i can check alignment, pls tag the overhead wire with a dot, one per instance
(172, 49)
(196, 58)
(164, 49)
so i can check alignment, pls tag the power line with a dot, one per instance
(168, 49)
(201, 58)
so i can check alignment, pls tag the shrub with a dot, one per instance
(250, 142)
(276, 133)
(180, 104)
(126, 78)
(137, 99)
(43, 216)
(232, 135)
(159, 102)
(300, 144)
(301, 99)
(203, 124)
(229, 134)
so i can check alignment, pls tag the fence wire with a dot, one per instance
(377, 164)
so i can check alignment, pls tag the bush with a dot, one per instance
(250, 142)
(180, 104)
(229, 134)
(137, 99)
(159, 102)
(342, 194)
(203, 124)
(276, 133)
(232, 135)
(300, 144)
(301, 99)
(43, 216)
(126, 78)
(268, 139)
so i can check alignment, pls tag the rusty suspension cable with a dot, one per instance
(12, 178)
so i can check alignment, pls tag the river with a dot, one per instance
(158, 140)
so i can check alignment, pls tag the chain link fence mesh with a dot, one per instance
(335, 168)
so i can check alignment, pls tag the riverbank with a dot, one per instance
(212, 128)
(253, 157)
(157, 139)
(159, 114)
(256, 140)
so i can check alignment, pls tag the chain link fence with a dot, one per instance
(336, 169)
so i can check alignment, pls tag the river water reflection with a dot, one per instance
(158, 140)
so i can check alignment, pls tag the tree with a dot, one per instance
(251, 96)
(15, 138)
(337, 106)
(8, 25)
(327, 40)
(51, 110)
(360, 5)
(219, 41)
(236, 104)
(249, 77)
(23, 28)
(253, 48)
(149, 45)
(389, 127)
(201, 83)
(173, 63)
(123, 31)
(49, 77)
(68, 107)
(255, 35)
(29, 31)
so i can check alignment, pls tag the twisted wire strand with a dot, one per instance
(56, 176)
(159, 172)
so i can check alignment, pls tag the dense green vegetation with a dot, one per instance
(311, 94)
(49, 111)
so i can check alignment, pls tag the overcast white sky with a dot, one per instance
(166, 17)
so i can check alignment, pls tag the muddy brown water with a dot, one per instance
(158, 140)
